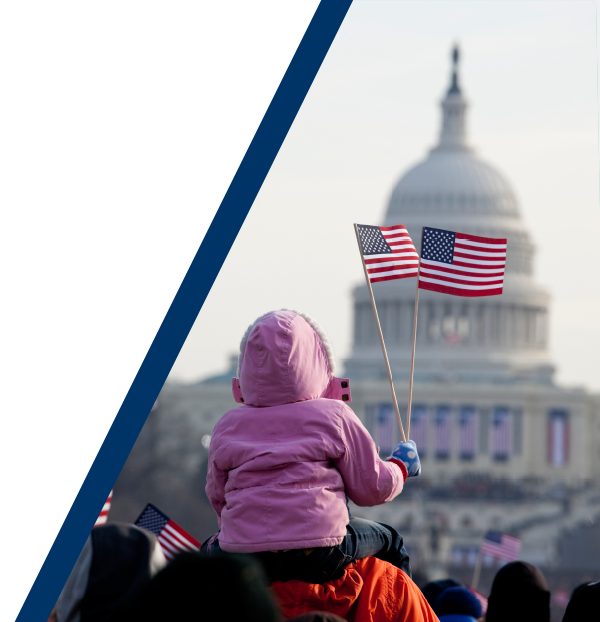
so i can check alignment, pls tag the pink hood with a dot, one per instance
(286, 357)
(280, 466)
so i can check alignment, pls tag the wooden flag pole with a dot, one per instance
(414, 344)
(385, 356)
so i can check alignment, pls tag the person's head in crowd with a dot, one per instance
(434, 588)
(195, 587)
(457, 604)
(519, 594)
(584, 605)
(116, 561)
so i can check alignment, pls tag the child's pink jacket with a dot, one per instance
(281, 466)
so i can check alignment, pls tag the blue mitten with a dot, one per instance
(407, 454)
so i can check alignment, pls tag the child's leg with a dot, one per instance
(369, 539)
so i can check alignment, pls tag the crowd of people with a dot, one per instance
(281, 470)
(122, 575)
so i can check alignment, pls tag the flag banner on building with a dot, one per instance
(558, 437)
(171, 537)
(101, 520)
(501, 433)
(461, 264)
(464, 555)
(385, 430)
(442, 432)
(467, 440)
(388, 252)
(501, 546)
(418, 429)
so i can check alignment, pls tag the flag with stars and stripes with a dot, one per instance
(461, 264)
(171, 537)
(101, 520)
(467, 438)
(388, 252)
(501, 546)
(501, 433)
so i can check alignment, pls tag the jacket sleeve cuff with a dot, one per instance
(401, 465)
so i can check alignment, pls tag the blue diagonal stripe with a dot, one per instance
(184, 309)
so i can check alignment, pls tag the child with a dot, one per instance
(282, 466)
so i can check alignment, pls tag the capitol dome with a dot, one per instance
(452, 181)
(497, 338)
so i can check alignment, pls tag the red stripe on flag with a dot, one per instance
(469, 293)
(183, 534)
(477, 238)
(103, 516)
(466, 265)
(392, 228)
(404, 266)
(463, 255)
(396, 257)
(482, 250)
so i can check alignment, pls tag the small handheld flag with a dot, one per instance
(101, 520)
(171, 537)
(388, 252)
(501, 546)
(498, 545)
(461, 264)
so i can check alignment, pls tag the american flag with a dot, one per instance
(501, 433)
(558, 438)
(418, 428)
(501, 546)
(442, 432)
(101, 520)
(386, 428)
(388, 252)
(461, 264)
(171, 537)
(467, 436)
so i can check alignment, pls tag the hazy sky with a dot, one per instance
(529, 72)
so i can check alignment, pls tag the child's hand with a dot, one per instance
(407, 454)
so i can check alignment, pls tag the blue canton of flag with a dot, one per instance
(172, 538)
(438, 245)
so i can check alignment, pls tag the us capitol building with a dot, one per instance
(502, 446)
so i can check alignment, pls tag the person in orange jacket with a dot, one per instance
(371, 590)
